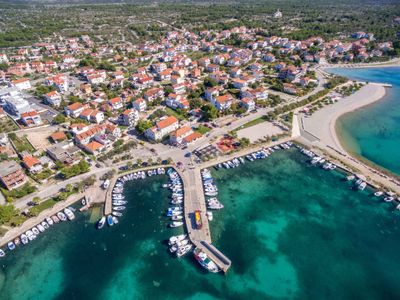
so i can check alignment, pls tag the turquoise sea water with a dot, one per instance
(292, 231)
(373, 131)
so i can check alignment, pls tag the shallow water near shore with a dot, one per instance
(372, 132)
(292, 231)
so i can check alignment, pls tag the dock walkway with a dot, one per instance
(195, 200)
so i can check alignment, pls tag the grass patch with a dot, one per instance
(176, 114)
(7, 125)
(253, 122)
(21, 143)
(203, 129)
(20, 192)
(34, 211)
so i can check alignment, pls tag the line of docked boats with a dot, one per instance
(118, 199)
(358, 181)
(33, 233)
(210, 191)
(175, 211)
(317, 160)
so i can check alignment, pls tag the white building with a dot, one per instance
(162, 128)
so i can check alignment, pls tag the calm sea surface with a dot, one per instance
(292, 231)
(373, 132)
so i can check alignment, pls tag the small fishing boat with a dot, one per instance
(61, 216)
(2, 253)
(115, 220)
(176, 218)
(209, 215)
(49, 221)
(388, 199)
(11, 246)
(101, 222)
(378, 193)
(17, 241)
(110, 220)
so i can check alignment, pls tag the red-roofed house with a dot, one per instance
(162, 128)
(74, 110)
(32, 164)
(31, 118)
(223, 102)
(139, 104)
(178, 135)
(116, 103)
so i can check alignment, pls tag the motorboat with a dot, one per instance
(55, 219)
(176, 217)
(175, 224)
(110, 220)
(115, 220)
(49, 221)
(61, 216)
(70, 215)
(119, 202)
(30, 235)
(24, 239)
(378, 193)
(204, 261)
(45, 225)
(101, 222)
(362, 186)
(35, 230)
(176, 238)
(11, 246)
(350, 177)
(119, 207)
(117, 213)
(209, 215)
(2, 253)
(40, 227)
(183, 250)
(388, 199)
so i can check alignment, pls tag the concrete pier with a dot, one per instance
(195, 200)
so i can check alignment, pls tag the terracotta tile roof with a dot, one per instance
(58, 136)
(181, 131)
(167, 122)
(75, 106)
(29, 114)
(193, 136)
(30, 161)
(93, 146)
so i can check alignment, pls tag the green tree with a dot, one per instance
(210, 82)
(143, 125)
(7, 212)
(209, 112)
(59, 119)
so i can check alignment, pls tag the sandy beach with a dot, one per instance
(322, 124)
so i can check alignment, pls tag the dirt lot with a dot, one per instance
(258, 131)
(39, 136)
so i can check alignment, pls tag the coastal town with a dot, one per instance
(79, 116)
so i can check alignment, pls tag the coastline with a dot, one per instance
(385, 64)
(319, 130)
(322, 124)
